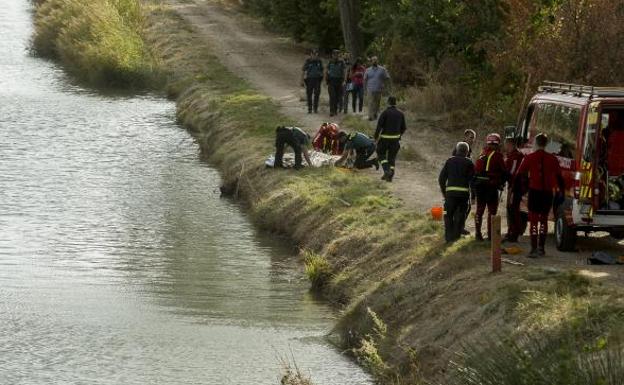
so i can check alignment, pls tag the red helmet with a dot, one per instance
(330, 129)
(493, 139)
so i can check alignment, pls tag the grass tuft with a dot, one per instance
(99, 41)
(318, 269)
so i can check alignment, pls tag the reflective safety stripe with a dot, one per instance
(390, 136)
(483, 178)
(487, 166)
(383, 161)
(454, 188)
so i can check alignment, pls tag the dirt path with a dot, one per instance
(272, 64)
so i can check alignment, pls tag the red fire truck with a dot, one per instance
(585, 125)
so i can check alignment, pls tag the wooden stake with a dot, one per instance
(496, 244)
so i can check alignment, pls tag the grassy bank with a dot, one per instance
(414, 308)
(98, 41)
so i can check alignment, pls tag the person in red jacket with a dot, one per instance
(544, 174)
(491, 175)
(513, 159)
(326, 139)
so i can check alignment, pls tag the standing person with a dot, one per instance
(335, 77)
(544, 174)
(455, 179)
(362, 145)
(326, 139)
(311, 78)
(469, 138)
(390, 127)
(357, 80)
(490, 177)
(513, 159)
(348, 87)
(375, 79)
(297, 139)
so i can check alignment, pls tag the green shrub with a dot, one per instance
(100, 41)
(317, 269)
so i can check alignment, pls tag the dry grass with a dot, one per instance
(99, 41)
(427, 300)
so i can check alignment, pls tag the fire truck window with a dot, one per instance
(589, 153)
(560, 123)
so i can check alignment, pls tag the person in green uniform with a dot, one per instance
(297, 139)
(363, 147)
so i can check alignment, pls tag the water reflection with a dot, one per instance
(118, 262)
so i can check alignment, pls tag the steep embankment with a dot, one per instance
(99, 41)
(410, 302)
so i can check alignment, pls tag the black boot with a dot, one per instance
(541, 250)
(534, 252)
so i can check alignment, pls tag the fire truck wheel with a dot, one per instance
(565, 236)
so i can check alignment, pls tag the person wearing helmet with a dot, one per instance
(326, 139)
(390, 127)
(544, 174)
(489, 180)
(363, 147)
(297, 139)
(455, 180)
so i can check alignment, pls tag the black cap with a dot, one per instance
(392, 101)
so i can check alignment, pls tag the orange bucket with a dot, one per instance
(437, 213)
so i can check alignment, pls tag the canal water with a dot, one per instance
(119, 263)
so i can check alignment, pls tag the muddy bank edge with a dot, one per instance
(409, 303)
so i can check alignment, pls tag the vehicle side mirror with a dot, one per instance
(510, 132)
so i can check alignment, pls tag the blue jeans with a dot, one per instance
(358, 97)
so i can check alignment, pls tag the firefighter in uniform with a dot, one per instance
(513, 159)
(455, 180)
(390, 127)
(544, 175)
(489, 179)
(362, 145)
(326, 139)
(297, 139)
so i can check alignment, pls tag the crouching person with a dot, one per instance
(363, 146)
(297, 139)
(455, 179)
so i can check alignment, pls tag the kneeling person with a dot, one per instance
(455, 179)
(362, 145)
(297, 139)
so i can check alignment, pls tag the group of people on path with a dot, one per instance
(344, 78)
(537, 175)
(356, 146)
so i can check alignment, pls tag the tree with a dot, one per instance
(350, 20)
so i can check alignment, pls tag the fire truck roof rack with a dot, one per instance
(581, 90)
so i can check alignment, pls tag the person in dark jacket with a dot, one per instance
(362, 145)
(469, 138)
(490, 178)
(390, 127)
(455, 182)
(297, 139)
(336, 78)
(513, 159)
(545, 179)
(311, 77)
